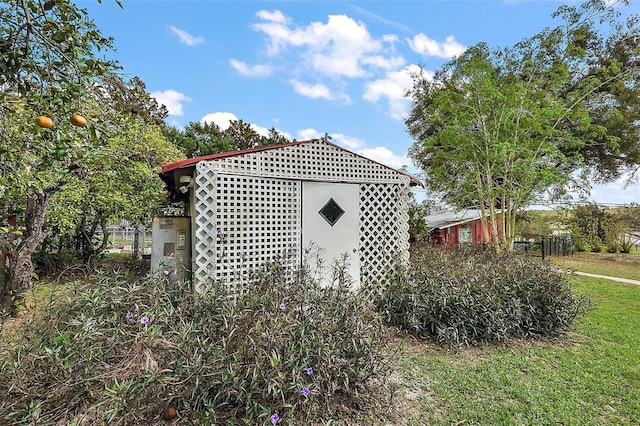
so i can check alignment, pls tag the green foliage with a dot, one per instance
(418, 229)
(498, 129)
(486, 139)
(598, 229)
(121, 352)
(199, 139)
(119, 181)
(466, 296)
(49, 58)
(533, 224)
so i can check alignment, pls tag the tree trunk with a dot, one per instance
(20, 268)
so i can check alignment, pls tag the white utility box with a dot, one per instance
(171, 247)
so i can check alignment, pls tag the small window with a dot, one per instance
(464, 235)
(331, 212)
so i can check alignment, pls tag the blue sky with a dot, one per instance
(311, 67)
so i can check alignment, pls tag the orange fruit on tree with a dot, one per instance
(44, 121)
(78, 120)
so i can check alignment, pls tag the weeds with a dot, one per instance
(467, 296)
(124, 352)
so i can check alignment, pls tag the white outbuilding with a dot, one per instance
(248, 207)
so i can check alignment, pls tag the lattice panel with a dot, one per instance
(241, 223)
(384, 229)
(309, 161)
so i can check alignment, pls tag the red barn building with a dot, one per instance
(450, 229)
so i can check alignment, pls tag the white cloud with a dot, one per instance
(381, 154)
(251, 71)
(349, 142)
(309, 133)
(185, 37)
(275, 16)
(383, 62)
(172, 99)
(341, 47)
(393, 89)
(384, 156)
(424, 45)
(311, 91)
(262, 131)
(316, 91)
(221, 119)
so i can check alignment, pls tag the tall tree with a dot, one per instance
(497, 129)
(118, 181)
(486, 140)
(199, 139)
(131, 98)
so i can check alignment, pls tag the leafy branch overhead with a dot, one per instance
(501, 129)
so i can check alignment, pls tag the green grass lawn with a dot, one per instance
(617, 265)
(590, 378)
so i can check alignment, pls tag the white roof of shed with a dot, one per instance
(447, 218)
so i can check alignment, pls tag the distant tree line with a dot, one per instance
(612, 230)
(201, 138)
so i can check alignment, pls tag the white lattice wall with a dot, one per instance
(309, 161)
(384, 228)
(247, 209)
(241, 223)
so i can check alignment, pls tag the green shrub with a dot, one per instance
(122, 352)
(466, 296)
(597, 246)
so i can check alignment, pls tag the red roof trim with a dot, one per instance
(192, 161)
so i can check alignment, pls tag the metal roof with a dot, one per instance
(446, 218)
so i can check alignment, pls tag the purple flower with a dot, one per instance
(219, 231)
(305, 391)
(105, 366)
(129, 315)
(275, 418)
(179, 309)
(309, 371)
(411, 282)
(144, 320)
(343, 361)
(283, 306)
(166, 273)
(234, 304)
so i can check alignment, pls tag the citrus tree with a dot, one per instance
(64, 119)
(118, 181)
